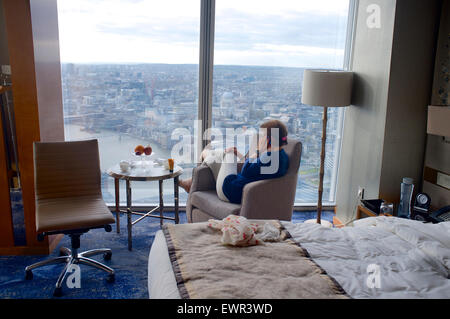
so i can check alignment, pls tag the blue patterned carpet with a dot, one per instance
(130, 267)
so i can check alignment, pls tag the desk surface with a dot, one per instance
(364, 210)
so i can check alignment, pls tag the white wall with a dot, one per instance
(363, 136)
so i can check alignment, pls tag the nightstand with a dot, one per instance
(362, 210)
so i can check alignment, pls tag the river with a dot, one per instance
(114, 147)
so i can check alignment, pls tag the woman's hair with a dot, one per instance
(282, 131)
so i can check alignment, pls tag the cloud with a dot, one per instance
(285, 32)
(325, 31)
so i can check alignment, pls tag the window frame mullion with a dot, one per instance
(206, 66)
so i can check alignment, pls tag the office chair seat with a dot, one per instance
(71, 213)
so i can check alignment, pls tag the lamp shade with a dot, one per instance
(327, 88)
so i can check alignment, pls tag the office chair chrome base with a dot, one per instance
(70, 257)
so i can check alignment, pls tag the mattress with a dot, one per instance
(380, 257)
(161, 279)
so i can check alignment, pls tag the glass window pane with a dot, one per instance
(261, 50)
(130, 77)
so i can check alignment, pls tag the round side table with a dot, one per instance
(147, 172)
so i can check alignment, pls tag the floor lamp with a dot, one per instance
(325, 88)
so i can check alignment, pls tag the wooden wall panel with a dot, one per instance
(48, 69)
(21, 54)
(6, 233)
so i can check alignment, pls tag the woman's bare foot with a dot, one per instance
(185, 184)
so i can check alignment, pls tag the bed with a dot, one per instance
(380, 257)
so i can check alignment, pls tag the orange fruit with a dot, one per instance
(139, 150)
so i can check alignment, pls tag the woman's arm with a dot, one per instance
(236, 152)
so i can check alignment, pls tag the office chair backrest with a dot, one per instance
(66, 169)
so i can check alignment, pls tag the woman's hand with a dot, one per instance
(231, 150)
(262, 143)
(254, 155)
(234, 151)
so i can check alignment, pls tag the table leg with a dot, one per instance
(129, 225)
(161, 202)
(117, 193)
(176, 194)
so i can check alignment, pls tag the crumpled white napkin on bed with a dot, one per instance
(238, 231)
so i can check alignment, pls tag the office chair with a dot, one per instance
(69, 201)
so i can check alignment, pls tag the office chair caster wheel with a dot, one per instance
(57, 292)
(28, 274)
(107, 256)
(111, 278)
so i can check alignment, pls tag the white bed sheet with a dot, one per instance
(161, 279)
(413, 258)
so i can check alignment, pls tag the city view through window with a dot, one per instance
(130, 76)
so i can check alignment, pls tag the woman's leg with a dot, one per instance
(212, 159)
(229, 167)
(185, 184)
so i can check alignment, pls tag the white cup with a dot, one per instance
(163, 162)
(166, 164)
(124, 166)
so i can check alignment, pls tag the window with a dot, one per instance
(261, 49)
(130, 75)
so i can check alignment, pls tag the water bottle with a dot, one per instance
(404, 208)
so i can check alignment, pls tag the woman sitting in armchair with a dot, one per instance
(267, 160)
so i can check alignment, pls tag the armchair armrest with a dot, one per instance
(269, 199)
(202, 179)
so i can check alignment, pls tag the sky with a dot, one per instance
(292, 33)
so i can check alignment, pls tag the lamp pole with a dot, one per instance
(322, 163)
(325, 88)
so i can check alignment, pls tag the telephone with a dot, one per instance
(441, 215)
(421, 212)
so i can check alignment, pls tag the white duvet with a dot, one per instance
(380, 257)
